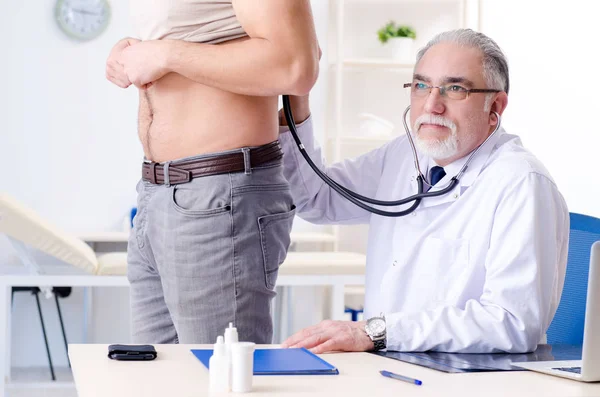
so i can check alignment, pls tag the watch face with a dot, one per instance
(376, 326)
(82, 19)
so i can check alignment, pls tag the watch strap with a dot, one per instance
(379, 344)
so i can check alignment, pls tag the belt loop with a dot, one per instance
(247, 165)
(152, 172)
(166, 171)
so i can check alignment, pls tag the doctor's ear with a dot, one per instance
(498, 106)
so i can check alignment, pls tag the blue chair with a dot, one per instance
(355, 300)
(568, 322)
(353, 312)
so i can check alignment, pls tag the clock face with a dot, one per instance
(82, 19)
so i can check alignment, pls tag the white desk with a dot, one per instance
(176, 372)
(123, 237)
(335, 269)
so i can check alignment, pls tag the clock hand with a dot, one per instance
(80, 11)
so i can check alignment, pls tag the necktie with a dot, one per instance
(436, 174)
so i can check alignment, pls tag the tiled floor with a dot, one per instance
(26, 383)
(42, 393)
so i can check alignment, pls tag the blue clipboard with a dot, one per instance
(280, 362)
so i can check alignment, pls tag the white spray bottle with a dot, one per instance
(219, 367)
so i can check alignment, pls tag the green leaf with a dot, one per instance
(383, 37)
(390, 30)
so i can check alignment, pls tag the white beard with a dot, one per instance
(438, 149)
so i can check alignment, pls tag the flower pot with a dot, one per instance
(401, 48)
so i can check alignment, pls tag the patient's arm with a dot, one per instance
(281, 56)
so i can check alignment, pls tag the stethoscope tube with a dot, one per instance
(358, 199)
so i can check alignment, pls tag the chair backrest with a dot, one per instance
(23, 225)
(568, 322)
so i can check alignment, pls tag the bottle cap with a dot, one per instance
(219, 348)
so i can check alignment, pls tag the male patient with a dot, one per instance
(478, 270)
(214, 209)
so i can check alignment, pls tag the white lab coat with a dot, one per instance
(480, 269)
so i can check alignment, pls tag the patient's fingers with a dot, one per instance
(116, 75)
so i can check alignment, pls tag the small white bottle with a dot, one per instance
(231, 336)
(219, 368)
(242, 365)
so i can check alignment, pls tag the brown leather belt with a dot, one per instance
(185, 171)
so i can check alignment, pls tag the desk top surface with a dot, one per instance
(123, 237)
(176, 372)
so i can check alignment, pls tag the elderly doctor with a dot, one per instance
(478, 270)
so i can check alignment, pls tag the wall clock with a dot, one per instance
(82, 19)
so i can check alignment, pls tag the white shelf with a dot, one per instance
(104, 237)
(312, 237)
(380, 63)
(364, 139)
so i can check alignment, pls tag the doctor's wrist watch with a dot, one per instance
(376, 330)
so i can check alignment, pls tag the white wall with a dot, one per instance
(69, 135)
(553, 101)
(70, 151)
(69, 146)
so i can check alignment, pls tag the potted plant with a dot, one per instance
(400, 39)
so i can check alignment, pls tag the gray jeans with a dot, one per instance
(206, 253)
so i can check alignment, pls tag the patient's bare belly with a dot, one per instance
(180, 118)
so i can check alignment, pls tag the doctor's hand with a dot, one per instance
(327, 336)
(115, 72)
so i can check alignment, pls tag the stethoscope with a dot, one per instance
(357, 199)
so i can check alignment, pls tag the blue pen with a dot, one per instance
(401, 377)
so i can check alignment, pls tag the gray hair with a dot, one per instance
(495, 65)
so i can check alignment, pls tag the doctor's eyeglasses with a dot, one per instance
(452, 91)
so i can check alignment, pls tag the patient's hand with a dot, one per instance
(145, 62)
(327, 336)
(115, 72)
